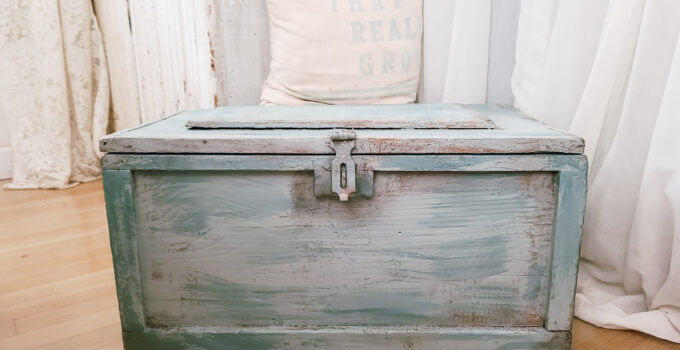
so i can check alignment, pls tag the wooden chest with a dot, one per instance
(363, 227)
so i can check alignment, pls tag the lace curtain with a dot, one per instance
(54, 90)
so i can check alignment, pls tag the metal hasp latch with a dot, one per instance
(343, 169)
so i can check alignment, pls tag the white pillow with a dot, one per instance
(343, 51)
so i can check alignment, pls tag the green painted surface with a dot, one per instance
(353, 338)
(258, 248)
(458, 162)
(118, 187)
(413, 116)
(566, 249)
(237, 249)
(514, 133)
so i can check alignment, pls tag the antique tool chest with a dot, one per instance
(345, 227)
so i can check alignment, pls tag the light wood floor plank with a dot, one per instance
(60, 331)
(65, 313)
(60, 252)
(107, 337)
(54, 273)
(68, 299)
(7, 328)
(67, 226)
(57, 290)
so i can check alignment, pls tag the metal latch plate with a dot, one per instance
(343, 168)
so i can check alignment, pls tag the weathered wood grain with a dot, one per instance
(169, 55)
(172, 53)
(236, 244)
(239, 34)
(450, 162)
(421, 116)
(114, 20)
(352, 338)
(566, 249)
(514, 134)
(428, 249)
(118, 187)
(239, 272)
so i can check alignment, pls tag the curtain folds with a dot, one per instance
(468, 51)
(461, 73)
(54, 91)
(610, 71)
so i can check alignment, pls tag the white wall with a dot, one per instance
(5, 151)
(169, 55)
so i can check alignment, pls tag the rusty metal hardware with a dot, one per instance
(343, 168)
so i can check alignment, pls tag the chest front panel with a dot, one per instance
(338, 227)
(429, 248)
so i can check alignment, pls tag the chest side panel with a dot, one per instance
(254, 248)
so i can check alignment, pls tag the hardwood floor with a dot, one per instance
(57, 289)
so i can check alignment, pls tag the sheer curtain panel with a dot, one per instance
(468, 51)
(610, 71)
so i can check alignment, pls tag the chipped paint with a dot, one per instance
(235, 251)
(452, 244)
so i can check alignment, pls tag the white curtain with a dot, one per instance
(468, 51)
(610, 71)
(607, 70)
(53, 91)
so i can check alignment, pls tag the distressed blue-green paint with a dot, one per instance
(219, 248)
(220, 296)
(484, 256)
(322, 183)
(270, 198)
(154, 339)
(458, 162)
(358, 338)
(120, 210)
(534, 286)
(381, 307)
(514, 134)
(566, 249)
(475, 165)
(421, 232)
(428, 116)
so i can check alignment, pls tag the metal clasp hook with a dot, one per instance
(343, 169)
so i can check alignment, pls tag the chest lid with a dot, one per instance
(377, 129)
(431, 116)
